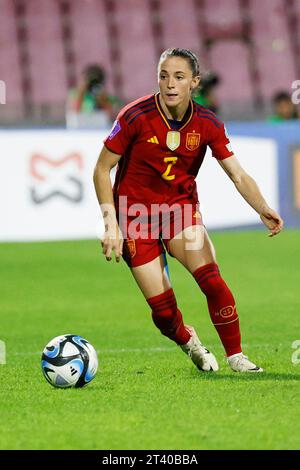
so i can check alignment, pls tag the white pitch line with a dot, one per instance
(150, 350)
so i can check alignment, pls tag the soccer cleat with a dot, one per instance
(201, 357)
(240, 363)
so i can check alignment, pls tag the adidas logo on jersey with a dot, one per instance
(153, 140)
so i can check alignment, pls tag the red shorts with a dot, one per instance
(146, 238)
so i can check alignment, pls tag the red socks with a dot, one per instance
(221, 306)
(167, 317)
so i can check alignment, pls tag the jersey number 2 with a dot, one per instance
(170, 161)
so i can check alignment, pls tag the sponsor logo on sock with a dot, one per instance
(227, 312)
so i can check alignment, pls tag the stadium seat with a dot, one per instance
(297, 11)
(91, 41)
(222, 19)
(272, 46)
(179, 25)
(10, 71)
(90, 37)
(138, 58)
(47, 65)
(231, 62)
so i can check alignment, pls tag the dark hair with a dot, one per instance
(185, 54)
(94, 72)
(209, 81)
(281, 96)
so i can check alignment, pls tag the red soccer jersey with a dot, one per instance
(159, 161)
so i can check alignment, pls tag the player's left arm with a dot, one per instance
(248, 188)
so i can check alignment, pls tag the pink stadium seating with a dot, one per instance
(222, 18)
(272, 46)
(9, 58)
(180, 25)
(48, 72)
(297, 10)
(91, 41)
(90, 36)
(230, 60)
(138, 58)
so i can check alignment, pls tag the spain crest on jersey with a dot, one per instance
(173, 140)
(192, 140)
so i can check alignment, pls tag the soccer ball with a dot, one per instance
(69, 361)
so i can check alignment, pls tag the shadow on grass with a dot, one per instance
(249, 377)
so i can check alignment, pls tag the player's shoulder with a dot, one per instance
(209, 118)
(137, 108)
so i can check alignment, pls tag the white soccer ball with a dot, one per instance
(69, 361)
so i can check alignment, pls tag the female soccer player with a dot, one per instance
(159, 143)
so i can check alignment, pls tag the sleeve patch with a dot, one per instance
(115, 129)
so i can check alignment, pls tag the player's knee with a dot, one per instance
(213, 285)
(209, 279)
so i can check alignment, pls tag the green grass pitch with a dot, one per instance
(147, 393)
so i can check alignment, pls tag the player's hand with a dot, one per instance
(272, 221)
(112, 242)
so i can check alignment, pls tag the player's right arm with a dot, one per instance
(122, 134)
(112, 240)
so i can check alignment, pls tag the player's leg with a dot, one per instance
(152, 277)
(155, 285)
(194, 249)
(147, 263)
(153, 280)
(145, 256)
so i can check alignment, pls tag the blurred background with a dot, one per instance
(67, 67)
